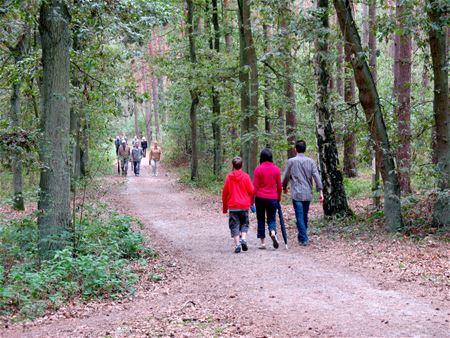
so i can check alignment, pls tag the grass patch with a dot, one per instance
(96, 266)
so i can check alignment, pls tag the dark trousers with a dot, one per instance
(265, 207)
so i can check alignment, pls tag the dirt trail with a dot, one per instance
(273, 293)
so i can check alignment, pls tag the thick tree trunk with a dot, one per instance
(370, 102)
(402, 90)
(16, 161)
(193, 92)
(54, 198)
(439, 53)
(148, 120)
(335, 202)
(249, 91)
(216, 98)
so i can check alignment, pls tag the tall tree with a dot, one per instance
(402, 91)
(349, 98)
(376, 152)
(248, 76)
(370, 102)
(193, 91)
(438, 13)
(267, 87)
(18, 52)
(227, 26)
(217, 134)
(289, 91)
(335, 202)
(54, 198)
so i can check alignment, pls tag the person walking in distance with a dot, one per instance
(144, 146)
(237, 197)
(124, 157)
(117, 144)
(155, 157)
(136, 157)
(300, 172)
(267, 183)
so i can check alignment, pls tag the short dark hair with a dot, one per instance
(300, 146)
(237, 163)
(265, 156)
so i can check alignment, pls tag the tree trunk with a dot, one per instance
(193, 92)
(155, 105)
(249, 82)
(16, 161)
(15, 121)
(228, 28)
(402, 90)
(267, 89)
(216, 98)
(376, 152)
(54, 197)
(288, 85)
(137, 131)
(439, 53)
(349, 98)
(148, 120)
(370, 102)
(335, 202)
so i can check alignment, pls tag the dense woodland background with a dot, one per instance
(365, 83)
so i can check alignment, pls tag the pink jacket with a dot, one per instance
(267, 181)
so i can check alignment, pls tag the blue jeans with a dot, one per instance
(301, 214)
(265, 206)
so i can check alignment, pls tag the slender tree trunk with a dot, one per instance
(376, 152)
(335, 199)
(289, 90)
(137, 131)
(267, 89)
(193, 92)
(16, 161)
(227, 26)
(370, 102)
(349, 97)
(155, 105)
(402, 90)
(249, 82)
(54, 199)
(215, 44)
(437, 10)
(15, 121)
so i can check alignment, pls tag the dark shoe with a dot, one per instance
(237, 249)
(306, 243)
(274, 239)
(244, 245)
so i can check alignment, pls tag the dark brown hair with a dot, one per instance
(237, 163)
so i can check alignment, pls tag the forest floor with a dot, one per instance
(369, 285)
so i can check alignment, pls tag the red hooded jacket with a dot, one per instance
(237, 191)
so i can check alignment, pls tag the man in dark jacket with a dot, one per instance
(144, 146)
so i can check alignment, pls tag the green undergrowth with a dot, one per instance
(98, 265)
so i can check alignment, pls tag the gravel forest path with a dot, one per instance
(260, 293)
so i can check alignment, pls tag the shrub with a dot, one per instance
(96, 266)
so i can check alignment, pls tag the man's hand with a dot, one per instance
(285, 190)
(321, 198)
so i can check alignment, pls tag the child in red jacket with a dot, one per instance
(237, 197)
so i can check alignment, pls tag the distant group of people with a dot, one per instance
(264, 194)
(125, 154)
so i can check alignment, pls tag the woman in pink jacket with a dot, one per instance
(267, 183)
